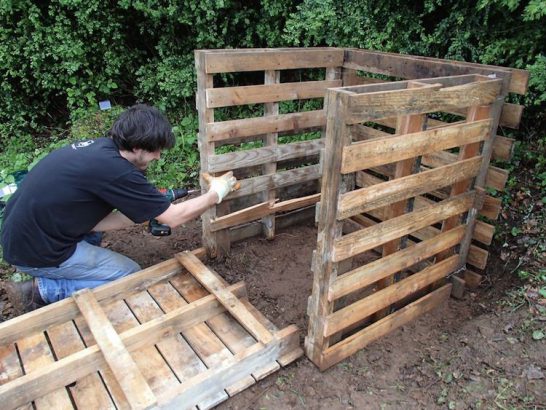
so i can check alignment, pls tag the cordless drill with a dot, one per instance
(172, 194)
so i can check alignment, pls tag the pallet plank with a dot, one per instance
(271, 59)
(226, 297)
(368, 238)
(137, 391)
(391, 148)
(376, 330)
(258, 94)
(367, 107)
(90, 390)
(10, 369)
(370, 273)
(248, 127)
(365, 307)
(366, 199)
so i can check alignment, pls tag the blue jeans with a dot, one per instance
(90, 266)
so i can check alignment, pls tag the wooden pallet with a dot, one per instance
(420, 215)
(175, 335)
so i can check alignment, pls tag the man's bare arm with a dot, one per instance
(114, 220)
(178, 214)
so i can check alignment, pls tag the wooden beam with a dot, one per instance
(367, 306)
(232, 304)
(137, 392)
(380, 151)
(367, 107)
(366, 239)
(362, 338)
(257, 94)
(370, 273)
(271, 59)
(248, 127)
(376, 196)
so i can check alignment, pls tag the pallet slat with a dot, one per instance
(270, 59)
(390, 149)
(362, 338)
(258, 94)
(369, 238)
(363, 308)
(366, 107)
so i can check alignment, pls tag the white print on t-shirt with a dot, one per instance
(82, 144)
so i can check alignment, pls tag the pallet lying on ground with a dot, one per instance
(156, 339)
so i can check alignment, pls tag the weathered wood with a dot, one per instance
(472, 279)
(366, 199)
(260, 210)
(370, 273)
(366, 107)
(503, 148)
(413, 67)
(249, 127)
(458, 285)
(324, 269)
(70, 369)
(137, 392)
(362, 338)
(228, 61)
(389, 149)
(248, 361)
(279, 179)
(65, 310)
(89, 391)
(217, 243)
(367, 306)
(260, 156)
(257, 94)
(369, 238)
(225, 297)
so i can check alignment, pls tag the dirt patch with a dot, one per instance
(474, 353)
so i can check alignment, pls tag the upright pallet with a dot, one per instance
(419, 215)
(171, 336)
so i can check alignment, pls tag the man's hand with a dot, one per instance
(222, 185)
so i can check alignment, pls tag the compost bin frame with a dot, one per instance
(256, 209)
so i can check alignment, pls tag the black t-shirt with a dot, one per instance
(66, 195)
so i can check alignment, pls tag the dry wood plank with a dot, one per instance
(365, 307)
(80, 364)
(413, 67)
(369, 238)
(36, 355)
(279, 179)
(503, 148)
(324, 269)
(10, 369)
(272, 59)
(206, 341)
(245, 362)
(362, 338)
(260, 156)
(217, 243)
(511, 115)
(389, 149)
(477, 257)
(90, 390)
(257, 94)
(137, 391)
(376, 196)
(228, 330)
(248, 127)
(370, 273)
(260, 210)
(370, 106)
(226, 297)
(457, 287)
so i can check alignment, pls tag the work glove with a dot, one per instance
(222, 185)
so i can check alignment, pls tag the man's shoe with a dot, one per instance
(24, 296)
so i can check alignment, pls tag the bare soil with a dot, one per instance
(472, 353)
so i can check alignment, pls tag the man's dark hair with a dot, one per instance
(144, 127)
